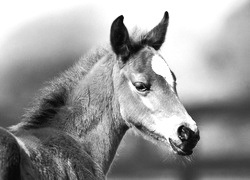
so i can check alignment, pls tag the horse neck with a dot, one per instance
(96, 118)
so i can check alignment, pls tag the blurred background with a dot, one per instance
(207, 46)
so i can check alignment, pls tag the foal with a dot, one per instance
(74, 128)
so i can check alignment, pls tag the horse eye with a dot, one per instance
(141, 87)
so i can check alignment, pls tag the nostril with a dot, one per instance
(184, 133)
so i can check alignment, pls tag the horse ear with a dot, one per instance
(119, 38)
(156, 37)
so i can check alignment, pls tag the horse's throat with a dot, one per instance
(103, 140)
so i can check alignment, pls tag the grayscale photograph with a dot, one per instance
(125, 90)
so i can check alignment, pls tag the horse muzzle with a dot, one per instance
(187, 141)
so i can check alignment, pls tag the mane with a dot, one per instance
(54, 96)
(138, 36)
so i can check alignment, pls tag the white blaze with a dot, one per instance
(160, 67)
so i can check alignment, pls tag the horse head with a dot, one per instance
(146, 88)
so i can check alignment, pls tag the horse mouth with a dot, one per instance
(152, 134)
(177, 149)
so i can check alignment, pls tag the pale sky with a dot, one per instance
(207, 14)
(192, 24)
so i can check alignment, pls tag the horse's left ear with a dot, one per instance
(119, 38)
(156, 37)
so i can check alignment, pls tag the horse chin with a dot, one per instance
(178, 150)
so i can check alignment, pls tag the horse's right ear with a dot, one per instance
(119, 38)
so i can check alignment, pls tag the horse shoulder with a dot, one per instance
(9, 156)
